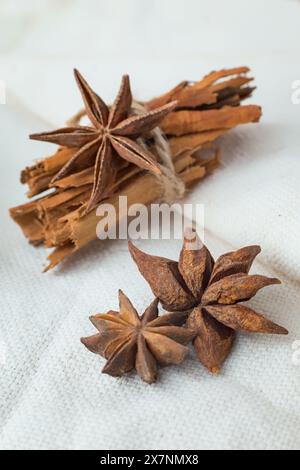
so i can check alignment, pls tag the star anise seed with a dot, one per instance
(114, 133)
(212, 291)
(130, 341)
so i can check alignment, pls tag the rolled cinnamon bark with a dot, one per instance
(206, 109)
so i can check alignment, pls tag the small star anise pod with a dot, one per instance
(212, 291)
(114, 133)
(129, 341)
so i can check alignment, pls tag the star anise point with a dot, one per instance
(112, 136)
(130, 341)
(211, 291)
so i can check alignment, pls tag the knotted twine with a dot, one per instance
(173, 188)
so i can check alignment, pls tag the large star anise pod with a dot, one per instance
(212, 292)
(129, 341)
(114, 133)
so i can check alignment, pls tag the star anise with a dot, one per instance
(212, 292)
(129, 341)
(114, 133)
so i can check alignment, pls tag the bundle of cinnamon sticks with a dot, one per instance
(205, 110)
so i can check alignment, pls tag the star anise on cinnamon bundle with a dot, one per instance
(113, 134)
(212, 292)
(130, 341)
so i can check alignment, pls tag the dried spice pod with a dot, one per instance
(114, 134)
(212, 292)
(130, 341)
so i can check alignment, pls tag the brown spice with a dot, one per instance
(130, 341)
(212, 292)
(114, 132)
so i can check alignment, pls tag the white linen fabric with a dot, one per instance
(52, 393)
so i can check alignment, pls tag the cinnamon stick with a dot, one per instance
(206, 109)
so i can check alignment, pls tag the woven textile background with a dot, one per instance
(52, 394)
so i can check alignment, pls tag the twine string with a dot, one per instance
(173, 187)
